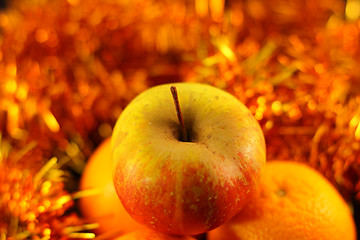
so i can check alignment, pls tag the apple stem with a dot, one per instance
(184, 136)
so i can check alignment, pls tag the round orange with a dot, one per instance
(105, 207)
(148, 234)
(293, 202)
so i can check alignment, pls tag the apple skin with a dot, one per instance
(148, 234)
(186, 188)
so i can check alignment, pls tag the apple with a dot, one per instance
(104, 207)
(189, 184)
(152, 235)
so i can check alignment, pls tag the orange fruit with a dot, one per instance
(148, 234)
(104, 208)
(293, 202)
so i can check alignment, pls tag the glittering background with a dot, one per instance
(68, 68)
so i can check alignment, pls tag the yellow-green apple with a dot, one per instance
(192, 185)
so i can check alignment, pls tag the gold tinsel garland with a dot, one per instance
(33, 203)
(68, 68)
